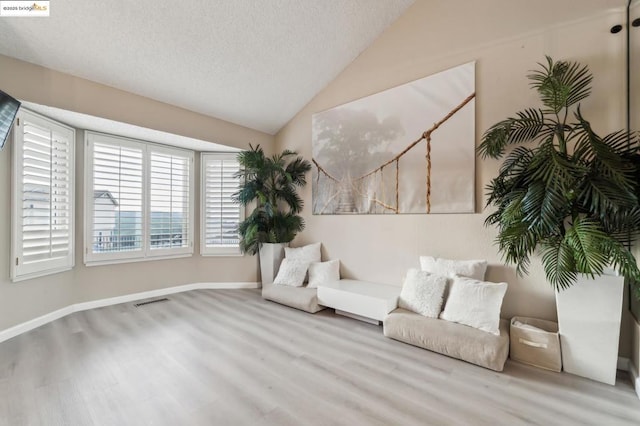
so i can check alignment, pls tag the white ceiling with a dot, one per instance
(251, 62)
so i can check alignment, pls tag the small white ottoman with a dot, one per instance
(365, 301)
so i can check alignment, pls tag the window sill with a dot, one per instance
(221, 254)
(90, 263)
(33, 275)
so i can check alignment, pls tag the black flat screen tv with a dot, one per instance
(8, 110)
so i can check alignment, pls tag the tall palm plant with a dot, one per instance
(271, 183)
(571, 193)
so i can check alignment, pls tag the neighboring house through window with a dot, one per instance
(104, 206)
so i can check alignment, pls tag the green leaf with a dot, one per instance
(561, 84)
(544, 208)
(527, 125)
(586, 238)
(558, 262)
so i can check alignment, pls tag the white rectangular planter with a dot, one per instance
(589, 314)
(271, 255)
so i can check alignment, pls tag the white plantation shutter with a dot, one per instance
(43, 190)
(220, 216)
(139, 197)
(170, 201)
(115, 197)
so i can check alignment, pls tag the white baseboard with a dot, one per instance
(83, 306)
(34, 323)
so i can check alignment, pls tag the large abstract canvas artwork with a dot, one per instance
(409, 149)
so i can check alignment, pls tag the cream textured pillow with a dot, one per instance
(423, 293)
(309, 253)
(475, 303)
(291, 273)
(322, 272)
(475, 269)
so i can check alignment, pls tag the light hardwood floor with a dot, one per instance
(227, 357)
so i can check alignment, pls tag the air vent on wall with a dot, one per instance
(164, 299)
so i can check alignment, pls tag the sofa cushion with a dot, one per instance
(449, 338)
(322, 272)
(475, 303)
(475, 269)
(307, 254)
(302, 298)
(291, 273)
(423, 293)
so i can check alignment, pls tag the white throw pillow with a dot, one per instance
(309, 253)
(423, 293)
(322, 272)
(291, 273)
(475, 269)
(475, 303)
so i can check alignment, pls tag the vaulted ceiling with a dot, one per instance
(251, 62)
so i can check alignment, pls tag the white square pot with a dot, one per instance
(271, 255)
(589, 315)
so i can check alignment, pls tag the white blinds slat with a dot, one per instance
(221, 214)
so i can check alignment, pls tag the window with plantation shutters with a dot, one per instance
(43, 196)
(139, 197)
(115, 197)
(220, 216)
(170, 200)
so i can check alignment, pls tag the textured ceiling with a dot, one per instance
(251, 62)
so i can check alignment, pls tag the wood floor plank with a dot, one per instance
(228, 357)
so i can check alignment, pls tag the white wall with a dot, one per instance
(25, 300)
(507, 39)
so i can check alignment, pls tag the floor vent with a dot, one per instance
(164, 299)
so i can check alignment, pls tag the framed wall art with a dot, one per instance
(408, 149)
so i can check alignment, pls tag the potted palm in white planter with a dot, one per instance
(572, 196)
(271, 183)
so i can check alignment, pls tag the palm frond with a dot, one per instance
(605, 158)
(585, 237)
(621, 259)
(544, 207)
(561, 84)
(558, 262)
(552, 167)
(517, 243)
(525, 126)
(290, 197)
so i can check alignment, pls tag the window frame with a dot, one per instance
(170, 251)
(23, 271)
(228, 251)
(146, 253)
